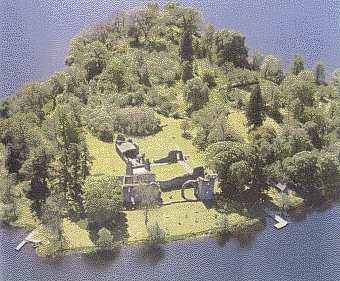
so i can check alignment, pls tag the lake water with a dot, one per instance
(34, 38)
(34, 35)
(306, 250)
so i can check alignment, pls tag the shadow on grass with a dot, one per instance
(118, 228)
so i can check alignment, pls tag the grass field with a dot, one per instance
(74, 238)
(184, 219)
(166, 172)
(105, 159)
(169, 138)
(181, 219)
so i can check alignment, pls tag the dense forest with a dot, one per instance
(122, 76)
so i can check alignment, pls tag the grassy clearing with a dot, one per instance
(74, 238)
(283, 200)
(185, 219)
(169, 138)
(181, 219)
(238, 121)
(166, 172)
(105, 159)
(25, 216)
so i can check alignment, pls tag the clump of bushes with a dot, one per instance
(136, 121)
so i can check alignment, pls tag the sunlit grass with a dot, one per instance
(166, 172)
(105, 159)
(169, 138)
(283, 200)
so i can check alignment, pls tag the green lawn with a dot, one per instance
(238, 121)
(177, 220)
(105, 159)
(166, 172)
(185, 219)
(169, 138)
(75, 238)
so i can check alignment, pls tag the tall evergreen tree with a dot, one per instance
(186, 49)
(36, 168)
(319, 73)
(187, 72)
(255, 112)
(298, 65)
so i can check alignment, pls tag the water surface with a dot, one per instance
(306, 250)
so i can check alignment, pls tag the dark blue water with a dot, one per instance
(34, 35)
(308, 250)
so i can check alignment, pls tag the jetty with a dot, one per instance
(281, 223)
(28, 239)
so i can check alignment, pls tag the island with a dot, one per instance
(162, 127)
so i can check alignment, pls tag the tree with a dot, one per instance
(53, 213)
(195, 94)
(335, 80)
(297, 65)
(102, 199)
(31, 97)
(328, 165)
(8, 198)
(144, 21)
(220, 158)
(156, 234)
(73, 161)
(257, 61)
(186, 49)
(319, 73)
(187, 72)
(271, 69)
(114, 74)
(36, 170)
(19, 134)
(255, 111)
(208, 77)
(298, 140)
(208, 41)
(94, 59)
(136, 121)
(4, 109)
(302, 169)
(105, 239)
(185, 127)
(240, 174)
(230, 47)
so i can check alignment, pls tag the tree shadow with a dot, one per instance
(151, 254)
(101, 259)
(222, 238)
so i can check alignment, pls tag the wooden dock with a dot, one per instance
(28, 239)
(281, 223)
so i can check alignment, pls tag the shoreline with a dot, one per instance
(246, 229)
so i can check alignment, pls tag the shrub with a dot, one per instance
(105, 239)
(156, 234)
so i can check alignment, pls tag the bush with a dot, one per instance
(105, 239)
(208, 77)
(156, 234)
(136, 121)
